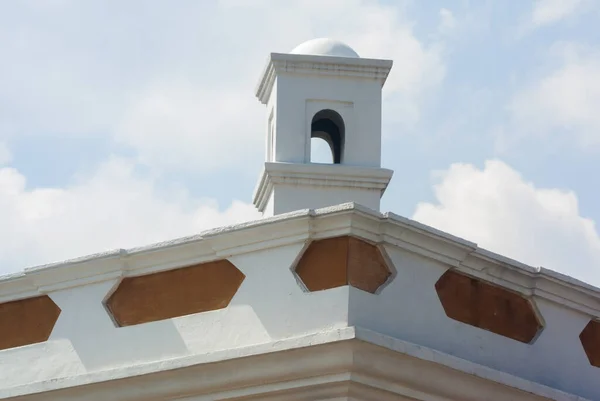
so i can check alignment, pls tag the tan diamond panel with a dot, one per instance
(335, 262)
(590, 339)
(489, 307)
(179, 292)
(27, 321)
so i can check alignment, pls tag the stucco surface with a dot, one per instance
(272, 306)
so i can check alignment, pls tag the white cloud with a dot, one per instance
(502, 212)
(176, 126)
(5, 154)
(113, 208)
(565, 100)
(176, 86)
(212, 125)
(547, 12)
(447, 21)
(180, 80)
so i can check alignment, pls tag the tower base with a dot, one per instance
(285, 187)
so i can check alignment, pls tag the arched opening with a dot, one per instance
(328, 125)
(320, 151)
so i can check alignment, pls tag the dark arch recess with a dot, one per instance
(328, 125)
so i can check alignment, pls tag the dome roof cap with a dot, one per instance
(325, 47)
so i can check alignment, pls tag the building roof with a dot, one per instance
(274, 304)
(227, 241)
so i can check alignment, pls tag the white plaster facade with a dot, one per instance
(321, 75)
(276, 341)
(394, 344)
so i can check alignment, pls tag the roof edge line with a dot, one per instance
(225, 242)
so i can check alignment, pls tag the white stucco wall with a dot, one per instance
(294, 88)
(271, 306)
(357, 100)
(287, 198)
(409, 309)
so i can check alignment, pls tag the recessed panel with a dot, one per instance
(179, 292)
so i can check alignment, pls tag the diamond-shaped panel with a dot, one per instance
(590, 339)
(27, 321)
(489, 307)
(179, 292)
(335, 262)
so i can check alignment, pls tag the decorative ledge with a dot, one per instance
(320, 362)
(336, 262)
(319, 65)
(301, 226)
(325, 175)
(184, 291)
(488, 307)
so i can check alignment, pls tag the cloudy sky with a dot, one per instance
(126, 123)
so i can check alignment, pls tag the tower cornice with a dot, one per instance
(278, 63)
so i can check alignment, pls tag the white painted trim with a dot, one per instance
(301, 226)
(279, 63)
(336, 363)
(315, 175)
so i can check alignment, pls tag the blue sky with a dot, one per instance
(126, 123)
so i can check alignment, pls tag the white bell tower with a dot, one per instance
(322, 89)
